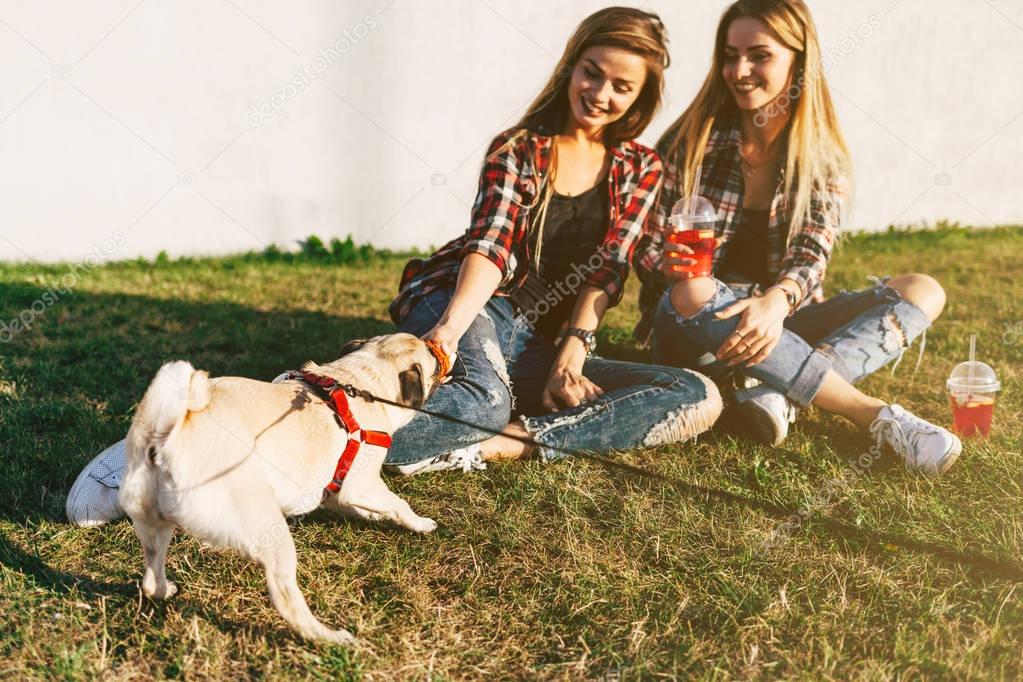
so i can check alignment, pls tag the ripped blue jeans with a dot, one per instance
(501, 371)
(854, 333)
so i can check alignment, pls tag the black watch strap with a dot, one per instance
(589, 338)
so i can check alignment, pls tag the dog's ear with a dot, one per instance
(352, 346)
(413, 390)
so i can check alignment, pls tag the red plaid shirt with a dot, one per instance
(803, 259)
(510, 184)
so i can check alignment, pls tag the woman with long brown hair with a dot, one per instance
(563, 199)
(763, 134)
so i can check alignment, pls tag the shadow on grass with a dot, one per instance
(61, 583)
(70, 382)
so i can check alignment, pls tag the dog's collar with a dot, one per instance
(337, 398)
(443, 361)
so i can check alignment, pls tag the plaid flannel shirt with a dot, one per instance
(510, 186)
(803, 259)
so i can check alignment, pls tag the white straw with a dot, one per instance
(691, 199)
(973, 358)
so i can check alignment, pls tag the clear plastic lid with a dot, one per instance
(694, 209)
(983, 379)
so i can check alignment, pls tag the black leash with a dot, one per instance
(866, 538)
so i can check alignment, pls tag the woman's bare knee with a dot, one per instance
(921, 290)
(690, 296)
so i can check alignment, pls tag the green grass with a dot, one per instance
(560, 571)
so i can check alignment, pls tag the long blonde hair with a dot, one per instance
(630, 29)
(817, 154)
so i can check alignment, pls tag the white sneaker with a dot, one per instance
(923, 446)
(467, 459)
(93, 497)
(766, 412)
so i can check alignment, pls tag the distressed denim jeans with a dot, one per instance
(501, 371)
(854, 333)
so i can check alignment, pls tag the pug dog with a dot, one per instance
(228, 459)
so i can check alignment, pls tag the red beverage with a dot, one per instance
(972, 416)
(702, 244)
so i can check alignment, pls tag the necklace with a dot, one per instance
(750, 169)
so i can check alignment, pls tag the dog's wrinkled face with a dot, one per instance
(416, 366)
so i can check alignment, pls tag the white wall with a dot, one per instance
(134, 121)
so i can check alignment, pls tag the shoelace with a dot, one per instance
(905, 445)
(888, 429)
(467, 459)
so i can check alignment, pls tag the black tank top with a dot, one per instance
(745, 258)
(574, 228)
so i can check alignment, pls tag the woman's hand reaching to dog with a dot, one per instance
(477, 281)
(444, 335)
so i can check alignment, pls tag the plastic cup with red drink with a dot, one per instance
(972, 387)
(691, 226)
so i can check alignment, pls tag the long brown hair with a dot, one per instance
(630, 29)
(817, 153)
(627, 28)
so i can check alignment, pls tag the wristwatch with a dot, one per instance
(791, 297)
(588, 338)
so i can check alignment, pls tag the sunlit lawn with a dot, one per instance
(566, 570)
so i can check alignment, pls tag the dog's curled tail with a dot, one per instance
(177, 389)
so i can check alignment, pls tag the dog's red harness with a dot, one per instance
(338, 401)
(337, 398)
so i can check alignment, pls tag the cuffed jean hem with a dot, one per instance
(810, 378)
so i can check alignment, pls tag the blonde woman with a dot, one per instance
(563, 199)
(775, 166)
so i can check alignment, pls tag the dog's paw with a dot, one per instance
(160, 592)
(423, 525)
(342, 637)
